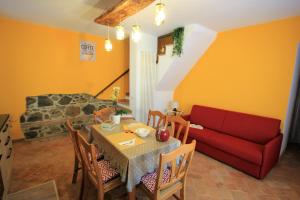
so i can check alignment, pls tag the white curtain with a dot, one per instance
(148, 81)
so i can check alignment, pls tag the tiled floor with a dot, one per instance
(36, 162)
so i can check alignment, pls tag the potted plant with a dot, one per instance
(116, 118)
(178, 37)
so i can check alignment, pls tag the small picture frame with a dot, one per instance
(87, 51)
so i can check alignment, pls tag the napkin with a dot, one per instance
(128, 142)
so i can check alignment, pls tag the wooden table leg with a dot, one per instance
(132, 194)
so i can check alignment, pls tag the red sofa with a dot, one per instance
(247, 142)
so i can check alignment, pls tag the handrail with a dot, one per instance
(101, 91)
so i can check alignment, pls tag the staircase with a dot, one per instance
(173, 69)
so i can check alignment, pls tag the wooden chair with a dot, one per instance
(100, 173)
(77, 160)
(103, 115)
(154, 115)
(178, 123)
(166, 181)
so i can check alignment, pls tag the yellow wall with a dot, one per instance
(248, 70)
(38, 60)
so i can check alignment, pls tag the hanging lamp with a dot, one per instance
(120, 32)
(107, 42)
(136, 33)
(160, 15)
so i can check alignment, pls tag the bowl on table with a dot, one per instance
(142, 132)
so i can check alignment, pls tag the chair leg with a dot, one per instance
(75, 171)
(100, 195)
(86, 186)
(82, 186)
(182, 193)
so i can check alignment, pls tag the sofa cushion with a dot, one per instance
(240, 148)
(211, 118)
(251, 127)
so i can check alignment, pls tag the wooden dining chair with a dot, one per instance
(103, 115)
(97, 172)
(77, 160)
(178, 123)
(171, 174)
(157, 118)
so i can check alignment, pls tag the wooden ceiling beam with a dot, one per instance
(121, 11)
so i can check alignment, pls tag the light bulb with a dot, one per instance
(108, 45)
(160, 14)
(136, 33)
(120, 33)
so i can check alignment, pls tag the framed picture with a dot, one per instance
(87, 51)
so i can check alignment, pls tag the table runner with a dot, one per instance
(132, 163)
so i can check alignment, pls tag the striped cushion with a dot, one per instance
(108, 173)
(149, 180)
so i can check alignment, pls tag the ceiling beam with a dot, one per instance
(121, 11)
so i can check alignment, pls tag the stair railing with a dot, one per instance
(111, 83)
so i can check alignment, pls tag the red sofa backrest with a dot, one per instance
(249, 127)
(211, 118)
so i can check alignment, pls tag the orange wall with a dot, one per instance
(38, 60)
(248, 70)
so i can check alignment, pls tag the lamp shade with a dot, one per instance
(160, 15)
(107, 45)
(120, 32)
(174, 105)
(136, 33)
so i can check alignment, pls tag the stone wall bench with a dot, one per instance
(46, 114)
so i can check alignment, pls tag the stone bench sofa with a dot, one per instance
(46, 114)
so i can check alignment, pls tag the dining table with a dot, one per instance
(131, 155)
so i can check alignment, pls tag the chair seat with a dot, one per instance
(149, 180)
(108, 173)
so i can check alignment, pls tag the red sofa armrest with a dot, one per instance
(270, 155)
(186, 117)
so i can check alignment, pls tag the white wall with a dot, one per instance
(291, 104)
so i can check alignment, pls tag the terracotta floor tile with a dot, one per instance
(36, 162)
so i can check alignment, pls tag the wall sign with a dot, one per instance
(87, 51)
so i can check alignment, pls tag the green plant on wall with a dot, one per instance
(178, 36)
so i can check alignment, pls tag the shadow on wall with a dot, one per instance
(293, 106)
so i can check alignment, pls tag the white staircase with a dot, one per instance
(173, 69)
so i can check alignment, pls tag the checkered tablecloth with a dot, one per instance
(136, 161)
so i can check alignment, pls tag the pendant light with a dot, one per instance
(120, 32)
(107, 42)
(160, 14)
(136, 33)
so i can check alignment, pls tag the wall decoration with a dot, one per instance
(87, 51)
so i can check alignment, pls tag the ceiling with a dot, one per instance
(219, 15)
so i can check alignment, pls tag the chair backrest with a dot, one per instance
(89, 154)
(178, 123)
(74, 137)
(103, 115)
(178, 162)
(157, 118)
